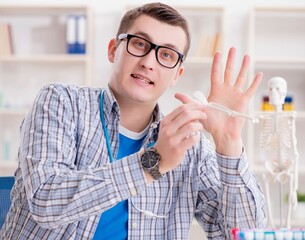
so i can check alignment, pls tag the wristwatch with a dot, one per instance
(150, 161)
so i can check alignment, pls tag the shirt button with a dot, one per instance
(134, 225)
(133, 192)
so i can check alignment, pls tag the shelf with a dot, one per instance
(40, 10)
(270, 11)
(299, 114)
(279, 63)
(45, 58)
(13, 111)
(260, 169)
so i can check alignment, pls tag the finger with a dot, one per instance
(254, 85)
(243, 73)
(189, 131)
(176, 132)
(188, 117)
(216, 69)
(184, 98)
(192, 139)
(185, 108)
(187, 143)
(172, 124)
(184, 142)
(229, 70)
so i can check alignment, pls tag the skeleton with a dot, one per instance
(278, 141)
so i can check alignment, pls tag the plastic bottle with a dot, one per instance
(259, 234)
(298, 235)
(288, 105)
(288, 235)
(269, 235)
(266, 106)
(279, 235)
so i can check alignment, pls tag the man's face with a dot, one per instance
(143, 79)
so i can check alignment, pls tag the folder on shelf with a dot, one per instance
(71, 34)
(76, 34)
(6, 44)
(81, 35)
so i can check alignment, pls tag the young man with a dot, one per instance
(105, 164)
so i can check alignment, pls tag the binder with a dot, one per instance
(81, 35)
(76, 34)
(71, 34)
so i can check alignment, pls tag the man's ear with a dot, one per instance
(112, 45)
(178, 75)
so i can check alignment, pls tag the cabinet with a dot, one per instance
(276, 45)
(39, 57)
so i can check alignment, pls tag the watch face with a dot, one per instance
(150, 159)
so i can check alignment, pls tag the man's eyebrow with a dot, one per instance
(145, 35)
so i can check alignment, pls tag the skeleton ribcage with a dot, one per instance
(276, 137)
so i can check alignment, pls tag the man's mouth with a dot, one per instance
(142, 79)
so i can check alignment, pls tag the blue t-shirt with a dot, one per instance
(113, 223)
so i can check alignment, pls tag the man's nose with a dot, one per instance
(149, 60)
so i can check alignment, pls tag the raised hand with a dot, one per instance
(232, 94)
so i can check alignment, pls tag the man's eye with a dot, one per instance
(167, 55)
(140, 44)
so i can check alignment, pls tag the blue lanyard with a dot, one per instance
(148, 213)
(104, 126)
(102, 116)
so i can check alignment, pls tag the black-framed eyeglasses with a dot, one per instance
(139, 47)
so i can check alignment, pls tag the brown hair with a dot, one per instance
(159, 11)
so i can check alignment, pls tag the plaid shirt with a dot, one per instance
(65, 181)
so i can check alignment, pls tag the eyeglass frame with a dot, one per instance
(122, 36)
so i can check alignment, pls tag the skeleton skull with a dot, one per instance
(277, 88)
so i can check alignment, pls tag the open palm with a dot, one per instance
(229, 92)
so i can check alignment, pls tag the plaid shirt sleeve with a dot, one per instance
(242, 196)
(232, 197)
(58, 192)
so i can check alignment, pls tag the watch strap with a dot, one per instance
(155, 173)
